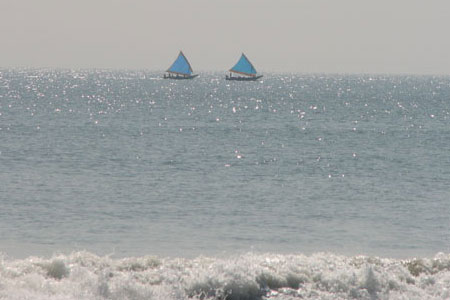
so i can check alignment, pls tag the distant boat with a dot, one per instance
(243, 67)
(180, 69)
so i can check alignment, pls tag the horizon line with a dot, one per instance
(118, 69)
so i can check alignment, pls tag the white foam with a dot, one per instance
(83, 275)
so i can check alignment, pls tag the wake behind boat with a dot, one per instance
(180, 69)
(243, 67)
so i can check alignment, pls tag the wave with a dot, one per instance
(250, 276)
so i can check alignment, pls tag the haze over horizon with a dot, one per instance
(348, 36)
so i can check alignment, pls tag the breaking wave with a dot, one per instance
(83, 275)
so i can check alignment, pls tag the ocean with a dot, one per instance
(122, 185)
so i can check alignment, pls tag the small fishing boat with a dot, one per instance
(243, 67)
(180, 69)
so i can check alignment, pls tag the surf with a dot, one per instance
(252, 276)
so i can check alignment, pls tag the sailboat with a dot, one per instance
(180, 69)
(243, 67)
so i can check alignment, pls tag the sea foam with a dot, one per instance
(83, 275)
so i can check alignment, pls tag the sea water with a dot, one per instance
(122, 185)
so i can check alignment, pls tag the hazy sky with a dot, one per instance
(345, 36)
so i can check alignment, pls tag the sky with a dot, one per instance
(301, 36)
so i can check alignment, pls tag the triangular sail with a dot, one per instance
(244, 66)
(180, 66)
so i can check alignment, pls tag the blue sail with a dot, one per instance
(244, 66)
(180, 65)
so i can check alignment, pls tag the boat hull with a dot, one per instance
(240, 78)
(179, 77)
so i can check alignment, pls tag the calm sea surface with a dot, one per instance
(128, 164)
